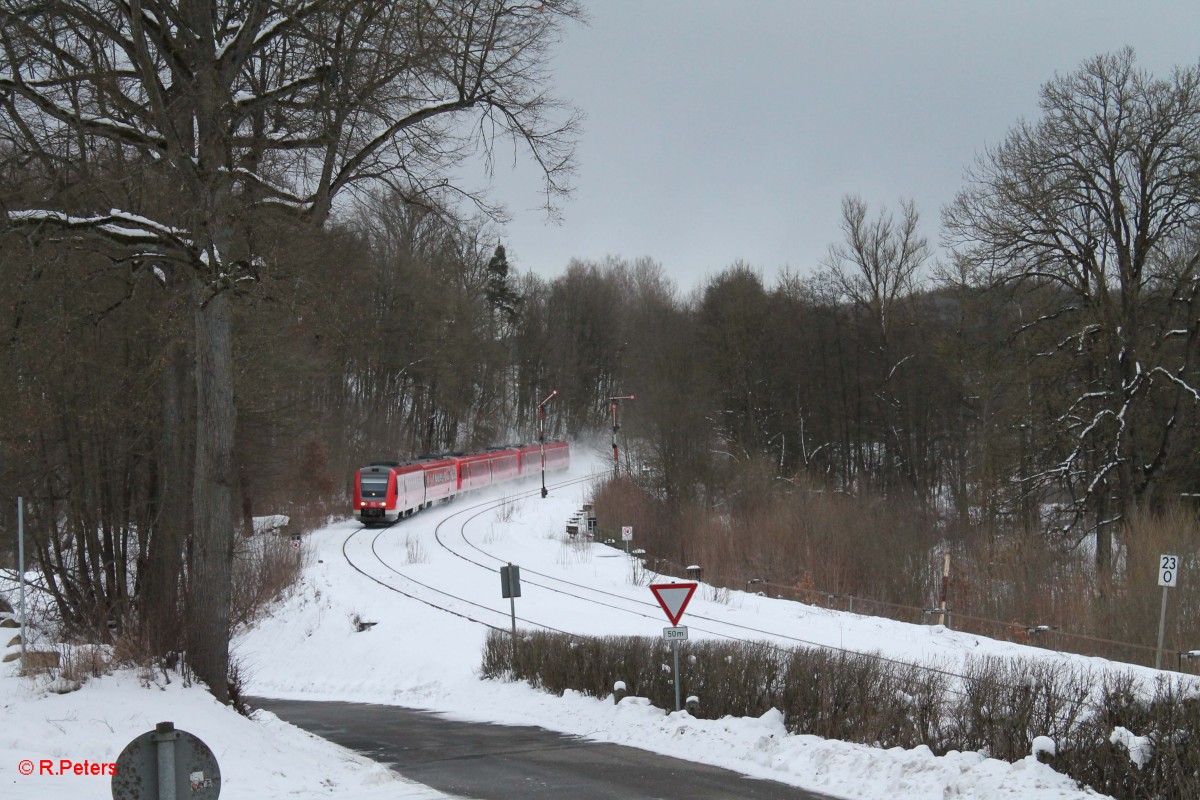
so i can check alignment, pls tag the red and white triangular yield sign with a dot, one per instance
(673, 597)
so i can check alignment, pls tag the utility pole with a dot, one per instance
(21, 576)
(542, 435)
(614, 405)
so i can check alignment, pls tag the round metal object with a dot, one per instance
(147, 765)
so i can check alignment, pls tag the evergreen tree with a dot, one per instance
(500, 296)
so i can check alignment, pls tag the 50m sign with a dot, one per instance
(1168, 570)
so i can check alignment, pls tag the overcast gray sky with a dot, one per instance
(720, 130)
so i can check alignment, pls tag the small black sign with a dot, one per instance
(510, 581)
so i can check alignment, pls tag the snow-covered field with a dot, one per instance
(419, 656)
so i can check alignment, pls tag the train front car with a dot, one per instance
(375, 494)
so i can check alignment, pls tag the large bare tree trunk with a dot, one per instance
(209, 586)
(161, 594)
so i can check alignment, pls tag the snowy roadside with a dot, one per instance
(50, 733)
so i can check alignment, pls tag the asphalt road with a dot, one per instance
(503, 762)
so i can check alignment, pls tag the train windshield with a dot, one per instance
(374, 485)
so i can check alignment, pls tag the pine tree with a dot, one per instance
(500, 296)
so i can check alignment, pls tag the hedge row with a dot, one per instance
(996, 706)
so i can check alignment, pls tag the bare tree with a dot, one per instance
(585, 343)
(877, 265)
(1098, 202)
(877, 269)
(253, 112)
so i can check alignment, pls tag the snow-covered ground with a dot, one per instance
(419, 656)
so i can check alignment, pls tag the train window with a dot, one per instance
(374, 485)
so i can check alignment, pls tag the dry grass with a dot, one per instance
(264, 568)
(508, 508)
(797, 541)
(414, 551)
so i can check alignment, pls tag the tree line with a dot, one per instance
(321, 278)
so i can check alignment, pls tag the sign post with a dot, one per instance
(1168, 576)
(510, 587)
(627, 536)
(674, 597)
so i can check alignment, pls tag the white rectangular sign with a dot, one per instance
(1168, 570)
(627, 533)
(678, 634)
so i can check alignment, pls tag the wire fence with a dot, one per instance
(1046, 634)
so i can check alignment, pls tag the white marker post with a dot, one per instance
(627, 536)
(1168, 576)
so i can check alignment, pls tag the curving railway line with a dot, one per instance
(363, 554)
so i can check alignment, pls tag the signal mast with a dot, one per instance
(614, 405)
(542, 434)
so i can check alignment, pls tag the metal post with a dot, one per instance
(512, 608)
(943, 618)
(542, 435)
(21, 570)
(614, 405)
(675, 645)
(165, 736)
(1162, 629)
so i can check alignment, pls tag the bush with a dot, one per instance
(1168, 719)
(997, 706)
(1005, 704)
(264, 567)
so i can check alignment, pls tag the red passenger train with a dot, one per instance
(387, 491)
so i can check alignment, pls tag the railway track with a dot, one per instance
(453, 530)
(403, 583)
